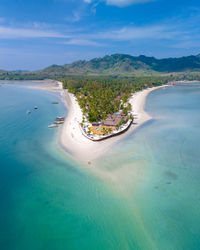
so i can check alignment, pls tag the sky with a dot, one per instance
(37, 33)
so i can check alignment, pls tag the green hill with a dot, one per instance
(117, 64)
(120, 64)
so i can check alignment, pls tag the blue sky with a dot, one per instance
(37, 33)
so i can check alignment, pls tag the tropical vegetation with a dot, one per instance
(100, 97)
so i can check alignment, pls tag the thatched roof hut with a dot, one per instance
(96, 124)
(114, 119)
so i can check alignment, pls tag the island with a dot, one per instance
(105, 107)
(101, 112)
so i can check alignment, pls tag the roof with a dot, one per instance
(111, 121)
(95, 123)
(114, 119)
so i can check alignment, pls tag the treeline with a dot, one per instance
(75, 85)
(100, 97)
(20, 76)
(56, 74)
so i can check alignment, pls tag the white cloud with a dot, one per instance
(18, 33)
(82, 42)
(125, 34)
(133, 33)
(119, 3)
(123, 3)
(75, 17)
(99, 38)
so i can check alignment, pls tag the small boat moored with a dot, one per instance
(36, 107)
(59, 122)
(55, 102)
(60, 118)
(52, 125)
(28, 112)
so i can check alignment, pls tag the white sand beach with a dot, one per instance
(83, 149)
(48, 84)
(71, 138)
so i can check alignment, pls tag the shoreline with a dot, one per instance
(70, 138)
(81, 148)
(48, 84)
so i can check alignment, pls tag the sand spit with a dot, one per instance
(72, 140)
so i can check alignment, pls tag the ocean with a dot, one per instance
(143, 194)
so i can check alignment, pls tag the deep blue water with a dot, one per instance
(143, 195)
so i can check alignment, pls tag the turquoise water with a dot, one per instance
(144, 194)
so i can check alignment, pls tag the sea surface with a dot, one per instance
(144, 194)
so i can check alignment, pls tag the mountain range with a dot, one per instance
(121, 63)
(116, 64)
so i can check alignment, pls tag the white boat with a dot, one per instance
(52, 126)
(28, 112)
(36, 107)
(59, 122)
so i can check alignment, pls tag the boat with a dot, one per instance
(60, 118)
(59, 122)
(36, 107)
(55, 102)
(52, 125)
(28, 112)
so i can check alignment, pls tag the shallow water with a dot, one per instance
(143, 195)
(158, 168)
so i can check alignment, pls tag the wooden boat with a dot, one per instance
(55, 102)
(52, 125)
(59, 122)
(60, 118)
